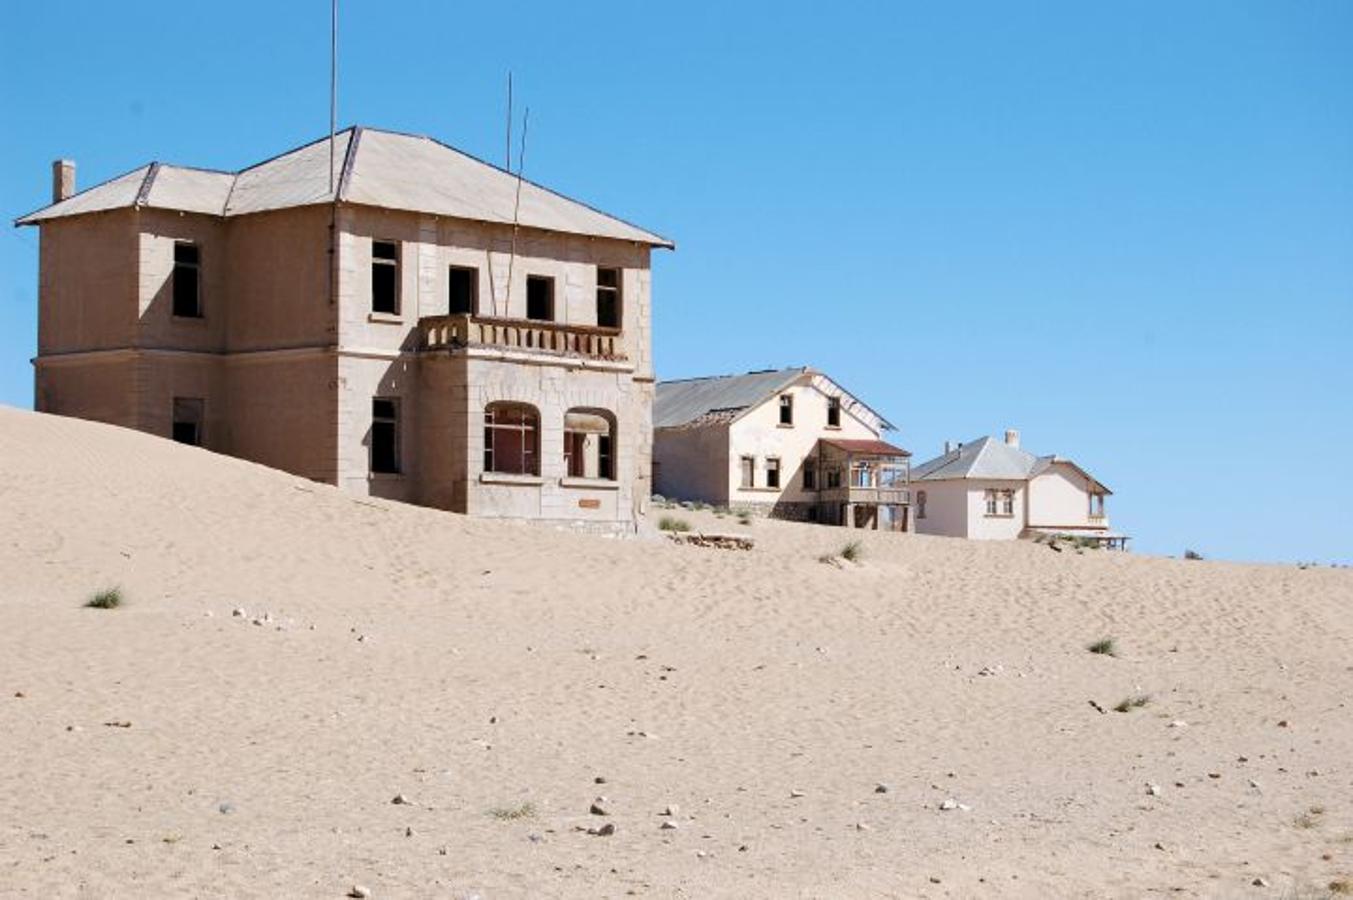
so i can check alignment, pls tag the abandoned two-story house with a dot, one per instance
(386, 314)
(789, 443)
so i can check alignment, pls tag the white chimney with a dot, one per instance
(1012, 438)
(63, 179)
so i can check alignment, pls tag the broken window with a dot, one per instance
(589, 442)
(810, 475)
(187, 421)
(540, 298)
(187, 280)
(920, 504)
(833, 478)
(786, 409)
(748, 472)
(385, 277)
(511, 439)
(463, 290)
(385, 435)
(772, 472)
(608, 298)
(833, 412)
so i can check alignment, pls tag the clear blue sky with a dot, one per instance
(1124, 228)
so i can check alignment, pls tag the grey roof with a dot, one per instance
(681, 402)
(374, 167)
(990, 459)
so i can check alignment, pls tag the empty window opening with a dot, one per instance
(833, 476)
(385, 277)
(512, 439)
(786, 409)
(748, 472)
(540, 298)
(810, 475)
(187, 421)
(187, 280)
(833, 412)
(608, 298)
(463, 290)
(589, 444)
(385, 435)
(1096, 506)
(920, 504)
(772, 472)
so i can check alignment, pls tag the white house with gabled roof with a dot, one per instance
(789, 443)
(992, 490)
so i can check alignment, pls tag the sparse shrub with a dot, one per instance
(672, 523)
(1131, 703)
(744, 518)
(1310, 818)
(1192, 554)
(106, 599)
(853, 551)
(1341, 886)
(511, 813)
(1105, 647)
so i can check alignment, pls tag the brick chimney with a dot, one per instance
(63, 179)
(1012, 438)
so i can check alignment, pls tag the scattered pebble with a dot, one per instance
(1282, 723)
(795, 794)
(882, 788)
(400, 800)
(1179, 723)
(408, 831)
(226, 808)
(359, 891)
(1153, 789)
(1260, 882)
(949, 804)
(239, 612)
(604, 831)
(668, 825)
(671, 810)
(599, 780)
(860, 826)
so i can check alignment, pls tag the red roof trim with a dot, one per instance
(878, 448)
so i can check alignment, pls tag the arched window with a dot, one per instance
(920, 504)
(589, 443)
(512, 439)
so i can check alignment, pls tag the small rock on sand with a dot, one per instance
(1153, 789)
(359, 891)
(949, 804)
(604, 831)
(668, 825)
(671, 810)
(400, 800)
(795, 794)
(882, 788)
(599, 807)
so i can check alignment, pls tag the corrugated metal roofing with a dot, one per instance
(680, 402)
(878, 448)
(988, 458)
(384, 169)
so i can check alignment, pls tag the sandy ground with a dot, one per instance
(478, 667)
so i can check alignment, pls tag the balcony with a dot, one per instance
(872, 496)
(441, 333)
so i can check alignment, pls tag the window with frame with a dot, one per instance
(462, 285)
(1096, 506)
(385, 277)
(786, 409)
(1007, 503)
(810, 475)
(833, 412)
(772, 472)
(384, 436)
(990, 497)
(589, 444)
(748, 472)
(187, 280)
(186, 427)
(540, 298)
(920, 504)
(608, 298)
(512, 439)
(833, 477)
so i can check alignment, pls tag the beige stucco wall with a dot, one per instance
(278, 290)
(946, 507)
(102, 388)
(758, 434)
(1059, 497)
(87, 282)
(983, 527)
(691, 463)
(158, 326)
(282, 411)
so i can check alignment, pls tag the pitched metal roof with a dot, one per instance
(678, 403)
(990, 459)
(875, 448)
(376, 168)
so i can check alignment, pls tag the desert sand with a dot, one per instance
(807, 722)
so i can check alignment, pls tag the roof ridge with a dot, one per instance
(143, 194)
(349, 161)
(93, 187)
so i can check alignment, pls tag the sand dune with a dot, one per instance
(490, 672)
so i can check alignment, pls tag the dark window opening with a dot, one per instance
(589, 441)
(834, 412)
(786, 409)
(810, 475)
(385, 277)
(385, 435)
(187, 280)
(511, 439)
(920, 504)
(608, 298)
(540, 298)
(772, 473)
(187, 421)
(463, 288)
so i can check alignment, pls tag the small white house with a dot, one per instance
(788, 443)
(989, 490)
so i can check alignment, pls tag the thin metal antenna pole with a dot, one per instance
(333, 86)
(508, 165)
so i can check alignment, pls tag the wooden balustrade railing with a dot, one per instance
(452, 332)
